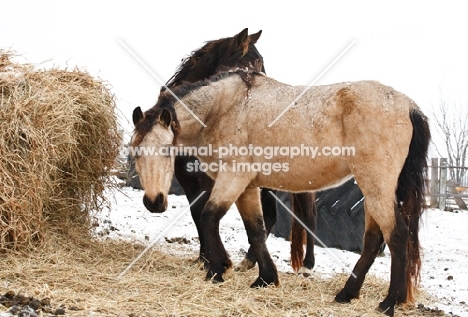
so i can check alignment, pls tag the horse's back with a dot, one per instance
(329, 115)
(367, 116)
(366, 93)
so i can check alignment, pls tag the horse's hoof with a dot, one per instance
(259, 283)
(244, 266)
(387, 309)
(343, 297)
(264, 282)
(214, 278)
(305, 271)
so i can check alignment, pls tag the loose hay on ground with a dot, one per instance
(58, 143)
(85, 277)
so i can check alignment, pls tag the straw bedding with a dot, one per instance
(59, 140)
(82, 278)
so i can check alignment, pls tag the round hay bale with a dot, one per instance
(59, 140)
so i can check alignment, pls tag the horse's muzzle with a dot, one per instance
(158, 205)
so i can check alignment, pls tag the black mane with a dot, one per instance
(217, 56)
(214, 61)
(198, 65)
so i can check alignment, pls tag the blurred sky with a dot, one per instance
(418, 47)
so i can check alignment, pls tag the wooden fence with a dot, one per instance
(448, 185)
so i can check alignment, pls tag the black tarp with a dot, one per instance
(340, 217)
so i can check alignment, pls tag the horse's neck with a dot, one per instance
(190, 126)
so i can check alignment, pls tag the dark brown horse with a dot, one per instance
(237, 52)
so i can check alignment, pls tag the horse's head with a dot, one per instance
(155, 133)
(224, 54)
(239, 51)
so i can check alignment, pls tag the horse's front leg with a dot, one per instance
(250, 209)
(227, 188)
(269, 217)
(193, 184)
(216, 256)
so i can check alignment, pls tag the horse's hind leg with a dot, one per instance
(397, 244)
(269, 217)
(373, 239)
(249, 207)
(309, 258)
(380, 214)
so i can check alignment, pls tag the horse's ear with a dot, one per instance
(240, 38)
(165, 118)
(137, 116)
(254, 37)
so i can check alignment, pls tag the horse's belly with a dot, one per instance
(303, 175)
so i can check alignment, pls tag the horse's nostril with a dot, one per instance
(146, 201)
(160, 198)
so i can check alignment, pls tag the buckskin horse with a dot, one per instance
(237, 52)
(388, 132)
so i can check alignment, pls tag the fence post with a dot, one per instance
(443, 183)
(434, 184)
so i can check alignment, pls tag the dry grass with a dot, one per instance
(85, 276)
(58, 142)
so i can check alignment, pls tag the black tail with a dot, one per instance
(410, 194)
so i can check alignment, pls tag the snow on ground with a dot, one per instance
(445, 250)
